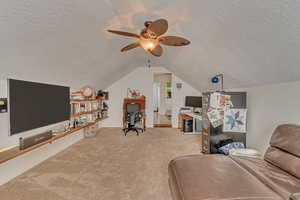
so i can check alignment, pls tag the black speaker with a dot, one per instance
(33, 140)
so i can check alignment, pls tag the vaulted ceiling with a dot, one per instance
(252, 42)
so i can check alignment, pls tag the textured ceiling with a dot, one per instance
(252, 42)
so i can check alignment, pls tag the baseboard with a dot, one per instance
(162, 126)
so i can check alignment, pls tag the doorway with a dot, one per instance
(162, 102)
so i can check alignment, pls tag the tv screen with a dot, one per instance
(33, 105)
(191, 101)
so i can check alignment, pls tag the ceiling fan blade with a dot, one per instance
(157, 51)
(173, 41)
(159, 27)
(124, 33)
(130, 46)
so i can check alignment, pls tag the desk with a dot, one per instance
(142, 102)
(194, 116)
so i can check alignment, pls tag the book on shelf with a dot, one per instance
(75, 109)
(82, 107)
(76, 97)
(88, 107)
(79, 108)
(95, 105)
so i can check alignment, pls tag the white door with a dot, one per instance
(156, 96)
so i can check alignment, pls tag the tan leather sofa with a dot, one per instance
(218, 177)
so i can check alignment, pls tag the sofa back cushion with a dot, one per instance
(287, 138)
(284, 160)
(284, 150)
(295, 196)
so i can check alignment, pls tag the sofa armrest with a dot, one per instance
(295, 196)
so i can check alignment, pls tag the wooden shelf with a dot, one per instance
(84, 100)
(85, 113)
(13, 152)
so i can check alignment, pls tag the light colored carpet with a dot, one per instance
(109, 166)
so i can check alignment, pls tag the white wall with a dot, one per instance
(270, 106)
(142, 79)
(178, 97)
(5, 139)
(28, 74)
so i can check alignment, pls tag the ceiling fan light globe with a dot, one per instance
(148, 44)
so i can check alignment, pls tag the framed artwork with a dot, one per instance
(168, 88)
(3, 105)
(220, 101)
(235, 120)
(215, 117)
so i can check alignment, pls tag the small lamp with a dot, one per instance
(218, 78)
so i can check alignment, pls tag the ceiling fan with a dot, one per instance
(150, 37)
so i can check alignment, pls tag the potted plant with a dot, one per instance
(100, 94)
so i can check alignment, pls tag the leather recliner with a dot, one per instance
(219, 177)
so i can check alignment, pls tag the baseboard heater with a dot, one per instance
(35, 139)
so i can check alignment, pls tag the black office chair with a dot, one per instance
(133, 116)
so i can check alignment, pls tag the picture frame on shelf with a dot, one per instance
(3, 105)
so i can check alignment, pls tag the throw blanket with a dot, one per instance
(234, 145)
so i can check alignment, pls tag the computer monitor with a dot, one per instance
(193, 101)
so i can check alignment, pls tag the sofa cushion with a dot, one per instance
(287, 137)
(286, 161)
(274, 177)
(215, 177)
(295, 196)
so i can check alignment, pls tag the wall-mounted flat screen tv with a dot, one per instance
(33, 105)
(193, 101)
